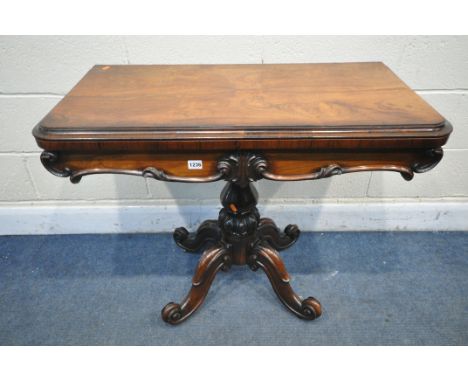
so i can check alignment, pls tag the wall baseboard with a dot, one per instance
(398, 216)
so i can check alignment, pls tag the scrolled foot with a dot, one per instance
(311, 308)
(292, 231)
(171, 313)
(269, 232)
(207, 232)
(180, 234)
(267, 258)
(212, 260)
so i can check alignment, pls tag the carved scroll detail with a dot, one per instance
(151, 172)
(242, 168)
(207, 232)
(266, 258)
(49, 160)
(213, 260)
(431, 158)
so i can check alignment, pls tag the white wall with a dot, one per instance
(35, 73)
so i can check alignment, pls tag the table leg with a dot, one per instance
(207, 232)
(212, 260)
(269, 232)
(265, 257)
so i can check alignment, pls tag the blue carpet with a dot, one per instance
(380, 288)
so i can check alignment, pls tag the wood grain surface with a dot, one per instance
(240, 96)
(177, 108)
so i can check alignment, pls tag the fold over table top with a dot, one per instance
(316, 104)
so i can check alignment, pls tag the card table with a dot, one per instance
(240, 124)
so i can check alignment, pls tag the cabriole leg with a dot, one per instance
(268, 231)
(212, 260)
(265, 257)
(207, 232)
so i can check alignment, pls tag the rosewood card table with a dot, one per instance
(240, 123)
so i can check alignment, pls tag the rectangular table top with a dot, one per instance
(288, 121)
(236, 102)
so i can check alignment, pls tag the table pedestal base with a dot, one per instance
(239, 237)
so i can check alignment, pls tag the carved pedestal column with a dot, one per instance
(240, 237)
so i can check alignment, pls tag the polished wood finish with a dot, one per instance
(229, 96)
(285, 122)
(207, 232)
(233, 107)
(210, 263)
(240, 238)
(277, 166)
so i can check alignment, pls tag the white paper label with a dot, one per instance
(195, 164)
